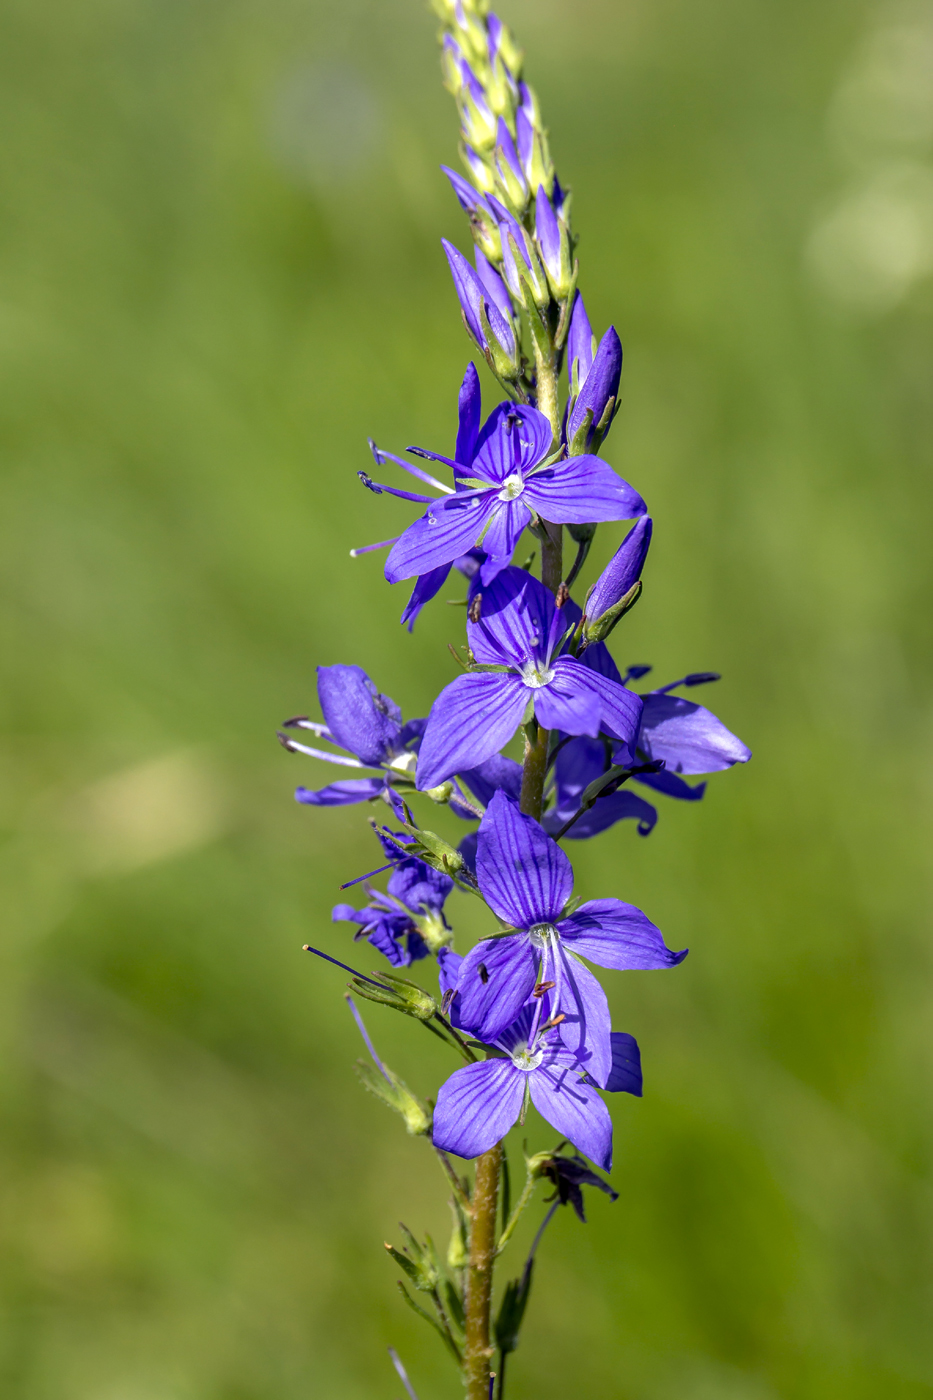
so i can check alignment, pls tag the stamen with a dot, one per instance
(365, 1034)
(475, 609)
(368, 548)
(541, 988)
(483, 973)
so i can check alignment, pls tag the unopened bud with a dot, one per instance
(598, 630)
(388, 989)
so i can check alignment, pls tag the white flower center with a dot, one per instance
(403, 763)
(512, 487)
(541, 934)
(527, 1060)
(534, 677)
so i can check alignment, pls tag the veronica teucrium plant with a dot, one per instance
(522, 1013)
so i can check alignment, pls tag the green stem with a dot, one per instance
(477, 1349)
(534, 772)
(548, 397)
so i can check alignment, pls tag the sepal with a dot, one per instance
(395, 1094)
(388, 989)
(600, 627)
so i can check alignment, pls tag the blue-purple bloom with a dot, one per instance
(368, 728)
(478, 1104)
(527, 880)
(407, 922)
(503, 478)
(519, 632)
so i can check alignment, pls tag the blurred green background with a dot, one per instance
(219, 271)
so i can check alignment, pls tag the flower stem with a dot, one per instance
(534, 772)
(478, 1351)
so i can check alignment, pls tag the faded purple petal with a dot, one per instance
(688, 737)
(580, 490)
(617, 935)
(427, 586)
(472, 719)
(524, 876)
(496, 979)
(575, 1110)
(672, 786)
(341, 794)
(360, 719)
(623, 570)
(450, 528)
(477, 1106)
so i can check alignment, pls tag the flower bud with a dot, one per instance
(521, 267)
(511, 180)
(489, 328)
(477, 120)
(502, 45)
(622, 572)
(388, 989)
(553, 240)
(417, 1261)
(598, 397)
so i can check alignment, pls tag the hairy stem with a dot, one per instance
(478, 1351)
(534, 772)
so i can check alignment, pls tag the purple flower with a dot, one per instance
(622, 572)
(407, 922)
(526, 879)
(478, 1104)
(688, 737)
(387, 927)
(599, 393)
(368, 728)
(510, 477)
(519, 632)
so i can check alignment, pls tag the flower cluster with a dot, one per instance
(522, 1007)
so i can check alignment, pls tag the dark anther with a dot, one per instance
(555, 1021)
(543, 987)
(483, 974)
(563, 593)
(377, 455)
(447, 999)
(476, 608)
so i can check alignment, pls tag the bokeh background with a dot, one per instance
(219, 272)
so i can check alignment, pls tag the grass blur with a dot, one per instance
(219, 271)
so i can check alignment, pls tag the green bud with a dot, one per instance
(480, 131)
(457, 1251)
(598, 630)
(500, 92)
(396, 1095)
(531, 277)
(541, 169)
(432, 849)
(388, 989)
(503, 363)
(509, 52)
(417, 1261)
(510, 189)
